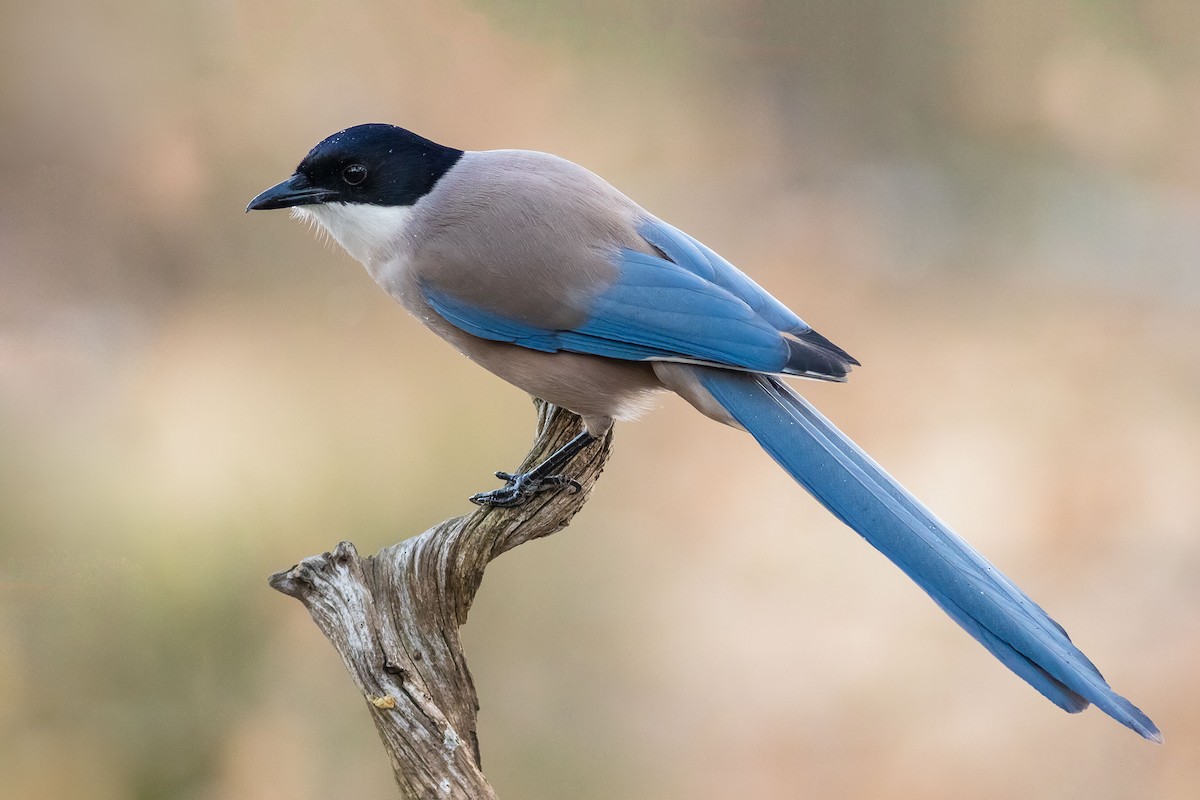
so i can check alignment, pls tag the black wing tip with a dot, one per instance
(814, 356)
(817, 340)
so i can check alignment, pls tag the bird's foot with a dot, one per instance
(521, 487)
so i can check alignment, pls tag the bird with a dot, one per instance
(546, 275)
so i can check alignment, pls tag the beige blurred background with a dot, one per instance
(995, 205)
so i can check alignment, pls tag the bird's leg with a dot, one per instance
(544, 477)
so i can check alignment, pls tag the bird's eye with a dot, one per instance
(354, 174)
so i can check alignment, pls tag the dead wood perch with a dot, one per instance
(394, 619)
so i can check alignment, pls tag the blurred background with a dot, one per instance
(993, 204)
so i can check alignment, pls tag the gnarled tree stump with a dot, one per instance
(394, 619)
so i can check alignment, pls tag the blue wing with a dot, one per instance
(688, 305)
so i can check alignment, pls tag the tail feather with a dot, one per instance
(972, 591)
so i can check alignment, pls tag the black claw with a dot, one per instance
(521, 488)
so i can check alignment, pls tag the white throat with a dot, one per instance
(370, 234)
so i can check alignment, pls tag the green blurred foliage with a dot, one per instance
(994, 205)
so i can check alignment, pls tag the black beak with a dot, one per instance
(295, 191)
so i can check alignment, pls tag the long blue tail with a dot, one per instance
(860, 493)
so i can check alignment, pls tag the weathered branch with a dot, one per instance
(394, 619)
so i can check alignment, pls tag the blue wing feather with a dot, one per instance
(690, 306)
(656, 311)
(697, 258)
(661, 305)
(486, 325)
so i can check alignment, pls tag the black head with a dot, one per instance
(373, 164)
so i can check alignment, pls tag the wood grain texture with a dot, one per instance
(394, 619)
